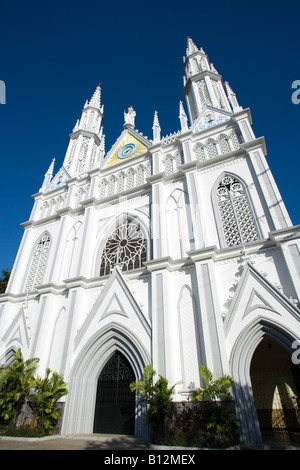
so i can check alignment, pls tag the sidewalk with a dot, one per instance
(74, 442)
(107, 442)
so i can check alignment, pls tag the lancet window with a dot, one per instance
(203, 93)
(235, 212)
(199, 152)
(38, 263)
(126, 247)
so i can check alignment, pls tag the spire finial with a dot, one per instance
(156, 128)
(190, 46)
(232, 98)
(51, 168)
(48, 176)
(182, 117)
(96, 98)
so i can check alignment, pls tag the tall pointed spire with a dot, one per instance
(48, 176)
(232, 98)
(203, 85)
(92, 113)
(183, 117)
(190, 46)
(156, 129)
(95, 101)
(85, 140)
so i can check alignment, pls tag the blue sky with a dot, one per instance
(53, 54)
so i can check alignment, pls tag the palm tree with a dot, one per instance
(157, 395)
(47, 391)
(16, 380)
(214, 389)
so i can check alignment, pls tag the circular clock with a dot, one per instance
(126, 150)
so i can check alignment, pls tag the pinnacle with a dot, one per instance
(96, 98)
(190, 46)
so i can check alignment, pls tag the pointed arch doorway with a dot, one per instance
(115, 403)
(276, 389)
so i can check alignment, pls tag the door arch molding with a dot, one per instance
(240, 363)
(83, 379)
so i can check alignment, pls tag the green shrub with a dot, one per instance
(19, 386)
(16, 381)
(46, 392)
(157, 397)
(206, 421)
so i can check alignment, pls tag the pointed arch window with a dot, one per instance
(126, 247)
(212, 148)
(199, 152)
(235, 212)
(38, 263)
(224, 144)
(121, 182)
(203, 93)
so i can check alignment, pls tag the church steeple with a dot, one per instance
(156, 128)
(86, 142)
(203, 85)
(92, 113)
(48, 176)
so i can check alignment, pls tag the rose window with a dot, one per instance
(126, 247)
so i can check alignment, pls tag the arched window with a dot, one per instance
(203, 93)
(38, 263)
(224, 144)
(178, 159)
(111, 185)
(130, 179)
(126, 247)
(168, 164)
(236, 215)
(236, 139)
(211, 148)
(102, 188)
(199, 152)
(140, 178)
(121, 182)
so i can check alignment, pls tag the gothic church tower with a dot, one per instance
(176, 251)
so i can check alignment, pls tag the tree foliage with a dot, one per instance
(205, 421)
(46, 392)
(157, 395)
(214, 389)
(4, 280)
(18, 385)
(16, 381)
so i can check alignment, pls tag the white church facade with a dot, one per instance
(176, 251)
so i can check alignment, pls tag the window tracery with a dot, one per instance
(224, 144)
(236, 216)
(203, 93)
(38, 263)
(212, 148)
(126, 247)
(199, 150)
(168, 164)
(236, 138)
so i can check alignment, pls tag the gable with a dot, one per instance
(209, 118)
(256, 297)
(59, 180)
(128, 146)
(17, 334)
(115, 304)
